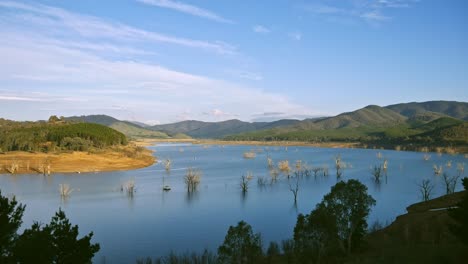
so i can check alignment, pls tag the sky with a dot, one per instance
(163, 61)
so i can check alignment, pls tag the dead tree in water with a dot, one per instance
(192, 179)
(244, 184)
(294, 188)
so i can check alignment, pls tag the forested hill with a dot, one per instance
(56, 135)
(130, 129)
(199, 129)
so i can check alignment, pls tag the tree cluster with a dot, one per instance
(41, 136)
(56, 242)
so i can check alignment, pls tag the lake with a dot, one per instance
(153, 222)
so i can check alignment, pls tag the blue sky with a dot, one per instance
(161, 61)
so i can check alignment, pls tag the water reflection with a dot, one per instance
(190, 197)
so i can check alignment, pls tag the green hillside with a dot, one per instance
(133, 131)
(46, 136)
(130, 129)
(199, 129)
(454, 109)
(371, 115)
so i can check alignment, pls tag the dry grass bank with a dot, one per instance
(112, 159)
(420, 236)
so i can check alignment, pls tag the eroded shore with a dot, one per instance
(112, 159)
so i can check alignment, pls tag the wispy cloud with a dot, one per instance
(71, 25)
(187, 9)
(261, 29)
(18, 98)
(372, 11)
(59, 61)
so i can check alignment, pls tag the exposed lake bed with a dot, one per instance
(151, 222)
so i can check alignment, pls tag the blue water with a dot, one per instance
(153, 222)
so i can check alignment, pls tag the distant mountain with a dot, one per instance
(128, 128)
(449, 108)
(199, 129)
(140, 124)
(371, 115)
(414, 124)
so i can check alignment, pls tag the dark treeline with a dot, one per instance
(55, 242)
(56, 135)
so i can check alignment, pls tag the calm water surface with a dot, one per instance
(153, 222)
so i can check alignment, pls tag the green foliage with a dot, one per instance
(315, 235)
(40, 136)
(337, 224)
(460, 215)
(10, 220)
(56, 242)
(240, 245)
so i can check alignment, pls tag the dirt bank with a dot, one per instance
(112, 159)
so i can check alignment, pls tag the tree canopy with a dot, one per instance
(240, 245)
(56, 242)
(337, 224)
(41, 136)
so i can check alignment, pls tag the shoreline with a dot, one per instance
(149, 142)
(114, 159)
(358, 145)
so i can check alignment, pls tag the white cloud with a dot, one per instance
(188, 9)
(71, 25)
(261, 29)
(63, 66)
(374, 16)
(18, 98)
(372, 11)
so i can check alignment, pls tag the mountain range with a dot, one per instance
(399, 120)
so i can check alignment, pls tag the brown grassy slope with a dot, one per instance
(112, 159)
(420, 236)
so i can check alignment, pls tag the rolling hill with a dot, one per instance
(131, 130)
(453, 109)
(199, 129)
(379, 125)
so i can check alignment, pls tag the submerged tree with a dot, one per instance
(244, 184)
(294, 188)
(241, 245)
(338, 166)
(192, 179)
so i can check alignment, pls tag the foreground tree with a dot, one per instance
(241, 245)
(315, 235)
(10, 220)
(460, 215)
(339, 222)
(56, 242)
(350, 205)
